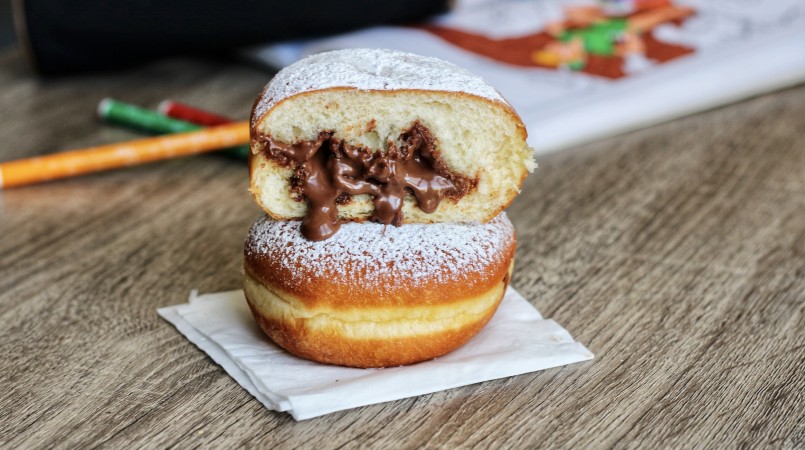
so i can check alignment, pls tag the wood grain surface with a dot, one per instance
(676, 254)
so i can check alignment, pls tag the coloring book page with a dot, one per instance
(579, 70)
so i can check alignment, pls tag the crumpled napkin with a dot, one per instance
(516, 340)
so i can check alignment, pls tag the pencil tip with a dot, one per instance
(164, 105)
(103, 107)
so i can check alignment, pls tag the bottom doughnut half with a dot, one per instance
(375, 296)
(374, 337)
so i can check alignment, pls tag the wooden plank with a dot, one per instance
(677, 254)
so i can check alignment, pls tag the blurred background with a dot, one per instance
(6, 25)
(575, 70)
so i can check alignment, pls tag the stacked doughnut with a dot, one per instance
(384, 176)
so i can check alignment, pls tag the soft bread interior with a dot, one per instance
(476, 137)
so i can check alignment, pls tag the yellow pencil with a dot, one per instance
(122, 154)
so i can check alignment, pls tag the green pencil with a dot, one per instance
(153, 122)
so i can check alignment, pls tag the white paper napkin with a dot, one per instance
(517, 340)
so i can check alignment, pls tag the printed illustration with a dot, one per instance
(609, 39)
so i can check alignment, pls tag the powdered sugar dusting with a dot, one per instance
(413, 254)
(370, 69)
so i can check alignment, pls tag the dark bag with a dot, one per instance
(62, 36)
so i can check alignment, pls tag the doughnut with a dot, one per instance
(375, 295)
(383, 136)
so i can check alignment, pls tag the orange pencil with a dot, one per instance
(122, 154)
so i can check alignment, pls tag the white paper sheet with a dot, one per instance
(517, 340)
(737, 48)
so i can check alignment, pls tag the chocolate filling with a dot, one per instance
(328, 172)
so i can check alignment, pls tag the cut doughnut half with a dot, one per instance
(385, 136)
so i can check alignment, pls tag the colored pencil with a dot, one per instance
(142, 119)
(111, 156)
(191, 114)
(155, 122)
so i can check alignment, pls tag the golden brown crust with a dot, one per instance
(330, 348)
(306, 336)
(334, 309)
(314, 284)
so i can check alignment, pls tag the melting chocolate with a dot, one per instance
(328, 172)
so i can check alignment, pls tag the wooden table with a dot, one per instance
(676, 254)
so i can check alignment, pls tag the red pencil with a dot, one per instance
(189, 113)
